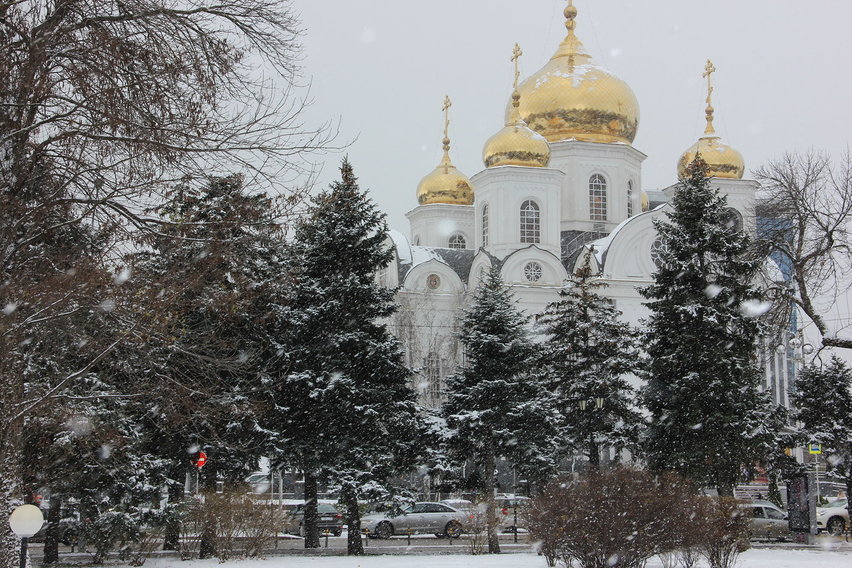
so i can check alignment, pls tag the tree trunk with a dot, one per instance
(309, 521)
(594, 453)
(725, 489)
(10, 544)
(354, 545)
(488, 465)
(51, 535)
(177, 481)
(207, 483)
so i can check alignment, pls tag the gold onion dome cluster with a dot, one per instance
(445, 184)
(573, 97)
(722, 160)
(516, 144)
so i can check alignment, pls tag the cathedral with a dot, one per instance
(561, 178)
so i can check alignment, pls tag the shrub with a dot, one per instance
(110, 530)
(613, 519)
(725, 532)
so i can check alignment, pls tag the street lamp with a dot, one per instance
(25, 521)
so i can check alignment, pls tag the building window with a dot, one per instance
(597, 198)
(630, 199)
(732, 219)
(530, 222)
(457, 242)
(432, 388)
(658, 250)
(485, 225)
(532, 272)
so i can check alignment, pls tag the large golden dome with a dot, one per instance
(516, 144)
(445, 184)
(572, 97)
(722, 160)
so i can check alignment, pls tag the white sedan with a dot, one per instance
(420, 518)
(834, 517)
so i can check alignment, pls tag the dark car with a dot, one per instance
(329, 518)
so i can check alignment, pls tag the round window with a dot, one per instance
(658, 248)
(433, 281)
(532, 271)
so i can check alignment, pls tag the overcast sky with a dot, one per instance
(382, 67)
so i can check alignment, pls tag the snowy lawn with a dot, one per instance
(754, 558)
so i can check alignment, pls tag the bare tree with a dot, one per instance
(104, 104)
(806, 213)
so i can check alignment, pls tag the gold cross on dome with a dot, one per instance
(709, 69)
(516, 55)
(446, 108)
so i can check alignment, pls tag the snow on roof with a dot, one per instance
(403, 249)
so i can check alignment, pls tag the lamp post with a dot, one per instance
(25, 521)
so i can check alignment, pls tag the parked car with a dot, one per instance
(510, 508)
(439, 519)
(834, 517)
(767, 522)
(329, 518)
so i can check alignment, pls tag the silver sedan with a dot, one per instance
(420, 518)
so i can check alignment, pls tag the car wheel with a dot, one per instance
(384, 530)
(835, 526)
(453, 529)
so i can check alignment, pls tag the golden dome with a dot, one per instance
(722, 160)
(445, 184)
(516, 144)
(573, 97)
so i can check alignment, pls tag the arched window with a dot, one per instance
(485, 225)
(432, 388)
(597, 198)
(732, 219)
(530, 222)
(457, 242)
(630, 199)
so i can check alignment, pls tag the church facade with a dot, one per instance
(560, 179)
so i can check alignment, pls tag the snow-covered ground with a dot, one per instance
(754, 558)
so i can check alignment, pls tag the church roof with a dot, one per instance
(409, 256)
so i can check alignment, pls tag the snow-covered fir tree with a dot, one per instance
(216, 268)
(823, 401)
(584, 361)
(494, 406)
(709, 421)
(344, 411)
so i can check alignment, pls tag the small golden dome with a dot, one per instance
(722, 160)
(573, 97)
(516, 144)
(445, 184)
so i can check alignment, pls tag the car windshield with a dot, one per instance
(838, 503)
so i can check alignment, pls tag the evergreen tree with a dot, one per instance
(494, 407)
(823, 399)
(708, 419)
(217, 267)
(344, 411)
(583, 362)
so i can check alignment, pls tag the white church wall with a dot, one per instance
(433, 225)
(619, 164)
(503, 190)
